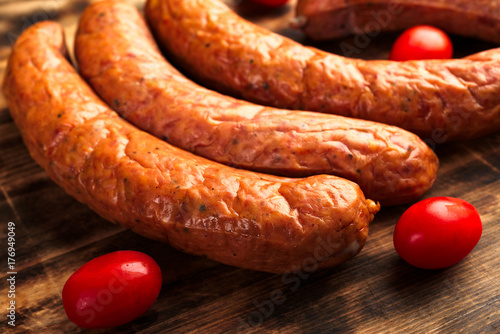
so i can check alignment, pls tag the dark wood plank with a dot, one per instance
(376, 292)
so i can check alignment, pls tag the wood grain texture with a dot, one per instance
(376, 292)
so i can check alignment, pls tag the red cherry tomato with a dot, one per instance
(112, 289)
(271, 3)
(422, 42)
(437, 232)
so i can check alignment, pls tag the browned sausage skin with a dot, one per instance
(439, 100)
(327, 19)
(119, 58)
(237, 217)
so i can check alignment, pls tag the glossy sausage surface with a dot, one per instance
(119, 58)
(327, 19)
(440, 100)
(237, 217)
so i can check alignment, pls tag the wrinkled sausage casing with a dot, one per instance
(327, 19)
(121, 61)
(237, 217)
(440, 100)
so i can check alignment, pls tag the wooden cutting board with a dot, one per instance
(376, 292)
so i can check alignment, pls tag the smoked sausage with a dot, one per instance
(440, 100)
(119, 58)
(327, 19)
(237, 217)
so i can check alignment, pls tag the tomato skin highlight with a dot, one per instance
(437, 232)
(112, 289)
(422, 42)
(271, 3)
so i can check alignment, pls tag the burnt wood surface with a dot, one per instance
(376, 292)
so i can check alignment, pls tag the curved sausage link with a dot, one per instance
(439, 100)
(121, 61)
(327, 19)
(237, 217)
